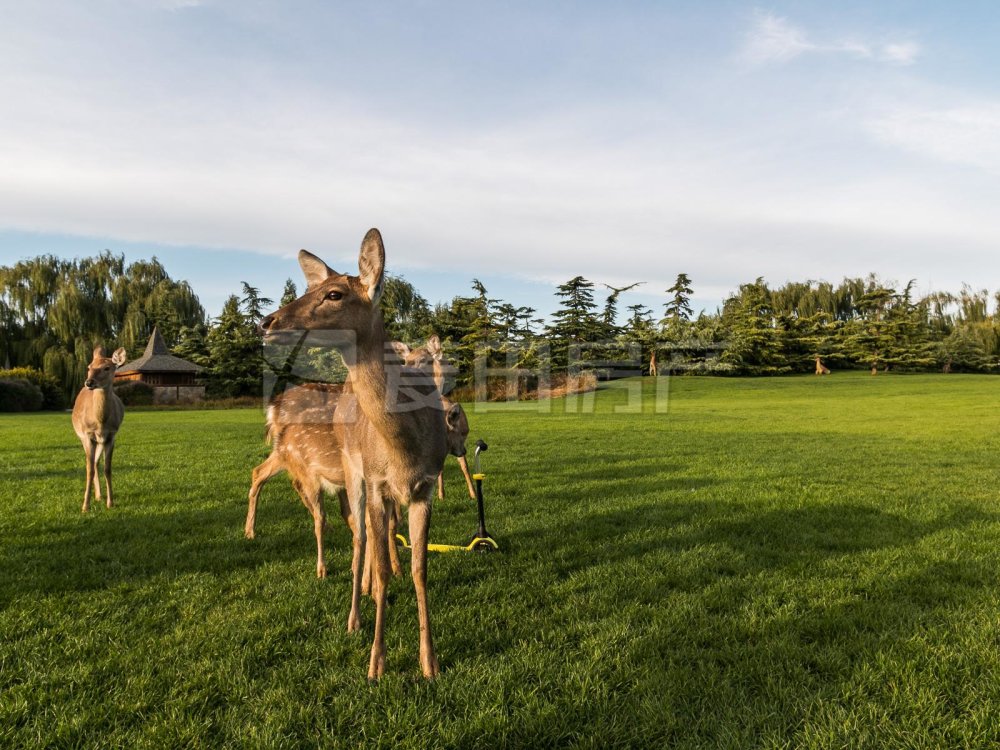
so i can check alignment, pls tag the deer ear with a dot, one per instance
(434, 347)
(119, 357)
(453, 418)
(315, 270)
(371, 263)
(100, 352)
(401, 349)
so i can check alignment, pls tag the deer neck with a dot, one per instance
(100, 404)
(369, 381)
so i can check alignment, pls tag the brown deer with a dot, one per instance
(304, 443)
(97, 415)
(821, 369)
(389, 420)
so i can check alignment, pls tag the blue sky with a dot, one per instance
(520, 143)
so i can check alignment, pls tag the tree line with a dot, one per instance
(53, 311)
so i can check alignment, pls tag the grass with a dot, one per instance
(796, 562)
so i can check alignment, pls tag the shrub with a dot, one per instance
(17, 394)
(135, 393)
(53, 397)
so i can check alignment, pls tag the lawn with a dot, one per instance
(789, 562)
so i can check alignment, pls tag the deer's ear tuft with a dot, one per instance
(371, 264)
(315, 270)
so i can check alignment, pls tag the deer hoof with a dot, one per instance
(321, 571)
(353, 623)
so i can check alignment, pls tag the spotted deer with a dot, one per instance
(97, 415)
(393, 438)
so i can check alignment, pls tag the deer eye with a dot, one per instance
(335, 296)
(107, 368)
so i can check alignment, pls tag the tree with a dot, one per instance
(754, 346)
(575, 322)
(234, 349)
(253, 304)
(677, 310)
(290, 293)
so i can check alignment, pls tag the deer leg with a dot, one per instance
(397, 569)
(355, 492)
(98, 450)
(88, 450)
(464, 463)
(441, 486)
(378, 514)
(311, 494)
(109, 449)
(420, 521)
(261, 473)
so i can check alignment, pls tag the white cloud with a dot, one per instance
(774, 39)
(963, 134)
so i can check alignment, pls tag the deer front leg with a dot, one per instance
(261, 474)
(378, 512)
(89, 451)
(420, 521)
(356, 505)
(397, 569)
(464, 464)
(441, 486)
(109, 449)
(98, 451)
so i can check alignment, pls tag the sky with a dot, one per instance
(521, 143)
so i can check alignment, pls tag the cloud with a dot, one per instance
(774, 39)
(964, 134)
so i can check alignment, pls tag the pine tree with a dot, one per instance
(290, 293)
(575, 322)
(234, 348)
(677, 311)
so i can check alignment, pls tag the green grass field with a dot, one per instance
(796, 562)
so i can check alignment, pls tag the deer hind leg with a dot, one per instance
(89, 450)
(312, 497)
(109, 449)
(378, 517)
(420, 521)
(261, 473)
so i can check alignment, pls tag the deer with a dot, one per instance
(97, 415)
(393, 438)
(821, 369)
(305, 444)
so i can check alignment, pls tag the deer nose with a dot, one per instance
(265, 323)
(90, 383)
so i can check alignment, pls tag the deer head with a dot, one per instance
(340, 308)
(101, 370)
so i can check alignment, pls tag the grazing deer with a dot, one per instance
(389, 420)
(97, 415)
(821, 369)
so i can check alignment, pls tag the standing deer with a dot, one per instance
(821, 369)
(97, 415)
(394, 439)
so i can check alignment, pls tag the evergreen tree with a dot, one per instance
(575, 322)
(254, 305)
(754, 346)
(290, 293)
(677, 310)
(234, 348)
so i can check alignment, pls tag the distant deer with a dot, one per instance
(97, 415)
(394, 440)
(652, 364)
(821, 369)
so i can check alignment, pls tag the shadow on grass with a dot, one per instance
(106, 548)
